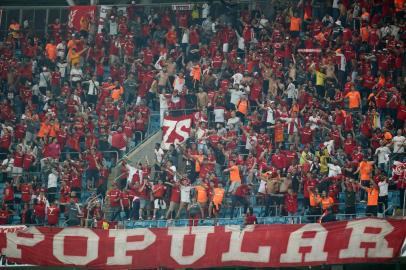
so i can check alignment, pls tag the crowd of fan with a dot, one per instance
(283, 104)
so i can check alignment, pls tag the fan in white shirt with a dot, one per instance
(399, 142)
(333, 169)
(235, 95)
(237, 78)
(219, 112)
(61, 49)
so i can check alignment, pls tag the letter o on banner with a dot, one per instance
(92, 246)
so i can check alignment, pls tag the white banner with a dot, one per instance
(175, 130)
(403, 249)
(104, 10)
(181, 7)
(7, 229)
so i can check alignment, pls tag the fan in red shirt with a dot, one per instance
(53, 214)
(126, 202)
(401, 114)
(306, 134)
(28, 160)
(278, 160)
(64, 196)
(118, 140)
(93, 164)
(5, 141)
(250, 217)
(240, 197)
(174, 200)
(158, 191)
(114, 198)
(349, 145)
(26, 192)
(5, 215)
(8, 195)
(39, 212)
(291, 204)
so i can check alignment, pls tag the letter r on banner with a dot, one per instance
(92, 250)
(296, 241)
(358, 236)
(13, 241)
(235, 254)
(121, 245)
(199, 245)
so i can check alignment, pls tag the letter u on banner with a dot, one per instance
(199, 245)
(122, 245)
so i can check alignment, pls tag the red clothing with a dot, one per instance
(401, 113)
(279, 161)
(4, 216)
(64, 194)
(175, 194)
(28, 160)
(349, 146)
(114, 196)
(25, 192)
(308, 183)
(159, 191)
(8, 194)
(53, 215)
(92, 161)
(250, 219)
(39, 210)
(242, 190)
(18, 159)
(125, 199)
(118, 140)
(306, 135)
(291, 203)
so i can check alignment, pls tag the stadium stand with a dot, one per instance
(298, 114)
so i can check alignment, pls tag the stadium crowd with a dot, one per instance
(298, 99)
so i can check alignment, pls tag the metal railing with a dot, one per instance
(234, 221)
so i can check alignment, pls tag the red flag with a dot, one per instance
(175, 130)
(80, 13)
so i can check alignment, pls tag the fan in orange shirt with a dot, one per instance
(278, 133)
(215, 204)
(354, 99)
(201, 197)
(373, 195)
(235, 177)
(50, 50)
(326, 204)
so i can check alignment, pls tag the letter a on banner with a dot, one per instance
(199, 246)
(235, 254)
(296, 241)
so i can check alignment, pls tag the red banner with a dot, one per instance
(175, 130)
(78, 14)
(358, 241)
